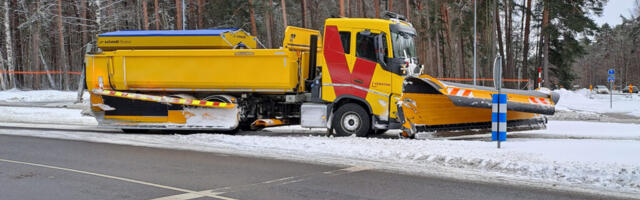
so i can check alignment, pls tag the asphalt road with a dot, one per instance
(41, 168)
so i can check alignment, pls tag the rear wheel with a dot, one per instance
(351, 119)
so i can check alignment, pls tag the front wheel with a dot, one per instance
(351, 119)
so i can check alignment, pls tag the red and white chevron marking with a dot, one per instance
(539, 100)
(459, 92)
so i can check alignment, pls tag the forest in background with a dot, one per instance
(43, 41)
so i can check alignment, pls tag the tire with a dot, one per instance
(351, 119)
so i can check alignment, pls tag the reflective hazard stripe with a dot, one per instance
(539, 100)
(459, 92)
(164, 99)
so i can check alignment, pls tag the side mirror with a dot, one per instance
(380, 51)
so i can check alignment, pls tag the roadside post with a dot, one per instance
(539, 77)
(590, 88)
(498, 106)
(611, 79)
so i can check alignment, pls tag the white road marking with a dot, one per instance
(187, 191)
(279, 181)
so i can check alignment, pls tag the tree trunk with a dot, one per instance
(448, 54)
(178, 14)
(98, 14)
(3, 77)
(406, 10)
(390, 8)
(499, 31)
(363, 8)
(157, 14)
(377, 6)
(190, 19)
(545, 33)
(9, 46)
(35, 45)
(63, 57)
(144, 15)
(200, 14)
(525, 37)
(254, 30)
(439, 66)
(269, 23)
(462, 66)
(509, 70)
(303, 8)
(83, 27)
(52, 84)
(348, 8)
(284, 13)
(342, 8)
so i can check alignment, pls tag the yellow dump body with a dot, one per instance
(176, 39)
(202, 70)
(195, 70)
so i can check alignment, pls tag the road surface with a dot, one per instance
(42, 168)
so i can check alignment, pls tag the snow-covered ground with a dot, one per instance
(15, 95)
(585, 101)
(596, 156)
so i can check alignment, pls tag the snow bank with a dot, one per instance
(585, 101)
(44, 115)
(586, 130)
(15, 95)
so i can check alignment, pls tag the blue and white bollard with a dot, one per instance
(499, 118)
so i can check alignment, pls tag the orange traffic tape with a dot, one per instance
(39, 72)
(164, 99)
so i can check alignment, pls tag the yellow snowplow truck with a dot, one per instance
(360, 76)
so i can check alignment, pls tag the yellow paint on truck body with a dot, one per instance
(197, 69)
(226, 40)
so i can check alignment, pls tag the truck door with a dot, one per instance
(369, 48)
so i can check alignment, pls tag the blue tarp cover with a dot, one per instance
(203, 32)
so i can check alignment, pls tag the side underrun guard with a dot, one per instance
(125, 110)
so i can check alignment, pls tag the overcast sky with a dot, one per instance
(613, 10)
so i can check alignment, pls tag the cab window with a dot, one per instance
(365, 46)
(345, 38)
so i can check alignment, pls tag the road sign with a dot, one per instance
(612, 72)
(497, 73)
(611, 78)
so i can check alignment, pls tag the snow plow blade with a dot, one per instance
(465, 95)
(125, 110)
(428, 104)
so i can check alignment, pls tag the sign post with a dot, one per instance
(611, 79)
(539, 77)
(498, 106)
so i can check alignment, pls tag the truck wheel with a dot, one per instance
(351, 119)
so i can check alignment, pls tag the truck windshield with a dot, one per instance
(403, 43)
